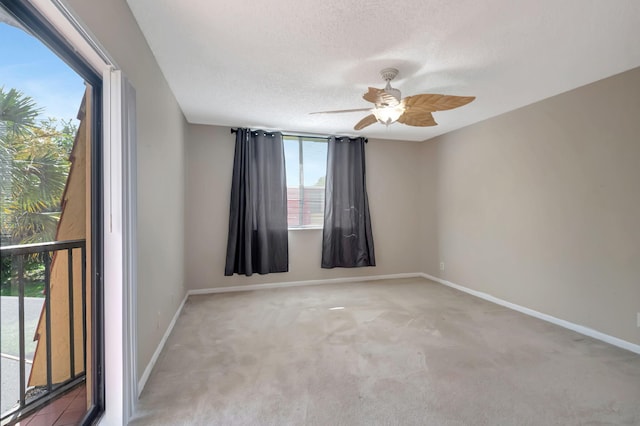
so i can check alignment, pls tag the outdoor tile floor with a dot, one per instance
(69, 409)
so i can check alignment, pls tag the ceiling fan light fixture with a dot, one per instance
(388, 114)
(389, 106)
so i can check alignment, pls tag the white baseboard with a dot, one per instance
(147, 371)
(251, 287)
(545, 317)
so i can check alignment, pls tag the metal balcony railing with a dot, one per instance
(47, 253)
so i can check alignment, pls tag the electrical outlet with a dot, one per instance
(442, 266)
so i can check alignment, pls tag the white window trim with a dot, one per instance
(306, 228)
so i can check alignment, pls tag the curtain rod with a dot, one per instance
(235, 130)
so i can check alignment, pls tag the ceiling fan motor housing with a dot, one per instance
(389, 74)
(393, 92)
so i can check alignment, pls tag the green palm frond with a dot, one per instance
(18, 112)
(34, 227)
(34, 161)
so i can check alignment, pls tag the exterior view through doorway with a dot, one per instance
(50, 145)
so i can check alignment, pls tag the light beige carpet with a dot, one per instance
(401, 352)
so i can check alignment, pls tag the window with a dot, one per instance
(306, 166)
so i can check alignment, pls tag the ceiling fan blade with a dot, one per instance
(373, 95)
(418, 118)
(367, 121)
(430, 102)
(380, 97)
(341, 111)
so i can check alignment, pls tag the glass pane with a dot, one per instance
(292, 166)
(315, 167)
(315, 163)
(43, 156)
(305, 194)
(292, 161)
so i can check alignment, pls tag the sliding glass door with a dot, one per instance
(51, 236)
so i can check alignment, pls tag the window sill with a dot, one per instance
(307, 228)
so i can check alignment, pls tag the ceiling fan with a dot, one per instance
(413, 110)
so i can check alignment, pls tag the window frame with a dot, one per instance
(300, 139)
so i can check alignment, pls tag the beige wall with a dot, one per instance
(161, 131)
(392, 182)
(541, 206)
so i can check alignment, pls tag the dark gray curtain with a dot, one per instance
(347, 241)
(258, 239)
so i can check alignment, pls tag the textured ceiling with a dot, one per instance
(269, 64)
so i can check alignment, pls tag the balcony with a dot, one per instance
(44, 339)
